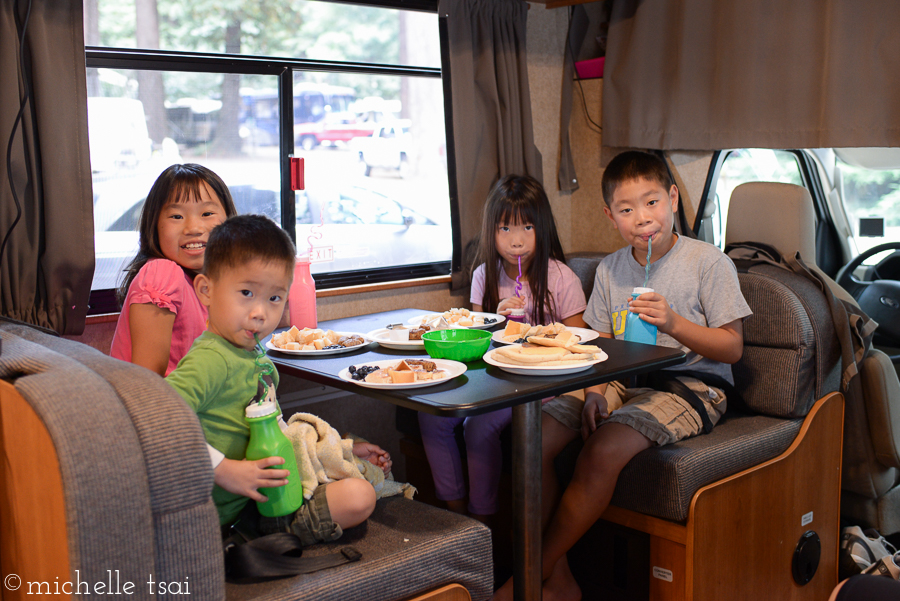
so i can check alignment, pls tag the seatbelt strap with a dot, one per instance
(277, 555)
(666, 381)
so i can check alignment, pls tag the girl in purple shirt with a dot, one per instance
(518, 223)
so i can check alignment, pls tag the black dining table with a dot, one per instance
(483, 388)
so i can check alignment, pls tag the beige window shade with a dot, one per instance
(706, 74)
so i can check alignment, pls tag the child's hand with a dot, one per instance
(506, 305)
(374, 455)
(245, 477)
(654, 309)
(594, 405)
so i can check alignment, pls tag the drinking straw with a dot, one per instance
(266, 369)
(647, 268)
(518, 278)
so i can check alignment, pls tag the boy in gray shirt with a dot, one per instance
(696, 305)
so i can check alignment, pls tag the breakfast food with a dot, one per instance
(554, 334)
(457, 318)
(404, 372)
(546, 356)
(416, 333)
(314, 339)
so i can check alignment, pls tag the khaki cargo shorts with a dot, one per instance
(662, 417)
(311, 523)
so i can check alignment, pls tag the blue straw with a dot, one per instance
(647, 268)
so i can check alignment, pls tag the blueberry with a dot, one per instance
(489, 320)
(521, 341)
(352, 369)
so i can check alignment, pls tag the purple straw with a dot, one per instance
(518, 277)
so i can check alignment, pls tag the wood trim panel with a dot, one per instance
(91, 320)
(450, 592)
(34, 543)
(667, 556)
(672, 531)
(755, 518)
(440, 279)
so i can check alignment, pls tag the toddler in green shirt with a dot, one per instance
(247, 272)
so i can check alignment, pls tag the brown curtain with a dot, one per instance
(48, 262)
(707, 74)
(491, 109)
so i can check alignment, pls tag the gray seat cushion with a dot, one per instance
(661, 481)
(407, 548)
(584, 264)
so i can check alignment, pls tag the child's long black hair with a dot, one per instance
(520, 199)
(178, 183)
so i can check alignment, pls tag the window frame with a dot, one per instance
(104, 301)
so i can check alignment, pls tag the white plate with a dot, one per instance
(453, 369)
(542, 370)
(584, 335)
(499, 318)
(331, 351)
(383, 337)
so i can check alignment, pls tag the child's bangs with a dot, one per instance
(517, 214)
(185, 190)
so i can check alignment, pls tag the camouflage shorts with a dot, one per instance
(312, 523)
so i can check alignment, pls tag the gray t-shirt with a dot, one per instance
(697, 279)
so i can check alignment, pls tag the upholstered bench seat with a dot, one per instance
(662, 481)
(406, 546)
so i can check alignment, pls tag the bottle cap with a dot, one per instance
(639, 290)
(260, 409)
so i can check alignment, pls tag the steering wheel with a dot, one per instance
(880, 299)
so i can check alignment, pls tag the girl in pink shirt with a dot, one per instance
(518, 222)
(161, 314)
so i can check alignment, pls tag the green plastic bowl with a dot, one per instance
(457, 344)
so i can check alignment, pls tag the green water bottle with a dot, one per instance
(267, 440)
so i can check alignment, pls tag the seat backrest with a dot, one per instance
(132, 460)
(791, 353)
(782, 216)
(584, 264)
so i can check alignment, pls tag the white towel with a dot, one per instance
(323, 456)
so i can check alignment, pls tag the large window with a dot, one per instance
(356, 91)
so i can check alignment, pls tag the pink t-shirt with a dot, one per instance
(164, 284)
(562, 283)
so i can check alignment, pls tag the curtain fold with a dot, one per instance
(48, 263)
(706, 75)
(491, 107)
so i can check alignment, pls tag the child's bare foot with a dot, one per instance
(505, 592)
(561, 586)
